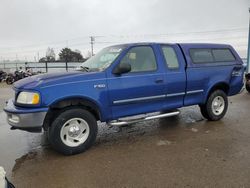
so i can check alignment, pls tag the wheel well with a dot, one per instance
(220, 86)
(57, 107)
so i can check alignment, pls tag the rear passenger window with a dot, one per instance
(223, 55)
(170, 57)
(201, 55)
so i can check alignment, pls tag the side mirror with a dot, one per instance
(122, 68)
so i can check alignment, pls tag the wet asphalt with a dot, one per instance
(181, 151)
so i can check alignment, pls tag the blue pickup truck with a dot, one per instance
(126, 81)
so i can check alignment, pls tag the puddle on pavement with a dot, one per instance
(15, 144)
(19, 146)
(19, 161)
(188, 118)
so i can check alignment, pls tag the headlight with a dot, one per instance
(28, 98)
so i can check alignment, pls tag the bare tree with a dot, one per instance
(50, 54)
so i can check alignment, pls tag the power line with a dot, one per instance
(11, 50)
(114, 42)
(183, 33)
(127, 36)
(43, 49)
(45, 43)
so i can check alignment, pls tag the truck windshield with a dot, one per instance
(102, 59)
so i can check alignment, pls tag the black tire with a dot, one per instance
(209, 112)
(9, 81)
(248, 86)
(66, 115)
(203, 111)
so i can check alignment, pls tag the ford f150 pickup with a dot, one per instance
(126, 81)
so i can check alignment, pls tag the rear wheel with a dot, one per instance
(216, 106)
(73, 131)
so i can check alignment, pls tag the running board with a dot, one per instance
(158, 116)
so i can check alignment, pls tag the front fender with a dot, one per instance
(84, 100)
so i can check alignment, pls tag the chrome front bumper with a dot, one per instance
(25, 118)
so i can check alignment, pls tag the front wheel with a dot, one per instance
(73, 131)
(216, 106)
(10, 80)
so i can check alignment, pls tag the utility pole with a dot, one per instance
(38, 57)
(92, 40)
(248, 51)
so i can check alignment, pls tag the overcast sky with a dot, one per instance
(30, 26)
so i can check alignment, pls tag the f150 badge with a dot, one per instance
(99, 86)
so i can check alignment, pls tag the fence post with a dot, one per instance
(46, 66)
(66, 66)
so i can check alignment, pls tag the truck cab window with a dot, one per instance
(170, 57)
(141, 59)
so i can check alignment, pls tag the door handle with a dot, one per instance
(159, 81)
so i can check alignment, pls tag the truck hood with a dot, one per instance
(53, 78)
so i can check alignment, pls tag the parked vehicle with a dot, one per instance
(125, 81)
(3, 76)
(247, 76)
(17, 75)
(11, 78)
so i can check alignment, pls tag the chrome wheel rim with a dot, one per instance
(218, 105)
(74, 132)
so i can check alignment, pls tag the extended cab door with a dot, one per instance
(175, 76)
(140, 90)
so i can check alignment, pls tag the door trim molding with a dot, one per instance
(195, 91)
(176, 94)
(139, 99)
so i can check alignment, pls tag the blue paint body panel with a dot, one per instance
(130, 94)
